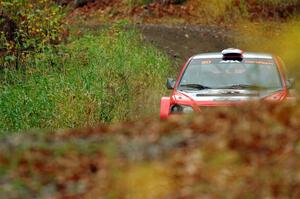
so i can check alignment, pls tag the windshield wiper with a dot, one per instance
(244, 86)
(195, 86)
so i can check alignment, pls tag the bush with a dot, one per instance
(37, 24)
(105, 78)
(134, 3)
(212, 11)
(237, 152)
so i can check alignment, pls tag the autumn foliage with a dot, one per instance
(245, 152)
(28, 27)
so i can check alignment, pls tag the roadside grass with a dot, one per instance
(108, 77)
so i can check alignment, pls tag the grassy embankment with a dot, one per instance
(95, 78)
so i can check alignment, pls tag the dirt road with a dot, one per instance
(183, 41)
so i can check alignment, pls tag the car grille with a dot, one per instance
(214, 108)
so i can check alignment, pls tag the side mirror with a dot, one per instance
(290, 83)
(170, 83)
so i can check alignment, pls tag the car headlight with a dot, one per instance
(275, 97)
(181, 109)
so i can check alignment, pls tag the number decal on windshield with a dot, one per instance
(206, 62)
(258, 62)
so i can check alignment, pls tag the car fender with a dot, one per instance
(165, 107)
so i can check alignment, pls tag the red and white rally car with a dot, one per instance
(226, 78)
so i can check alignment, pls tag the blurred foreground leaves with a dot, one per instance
(243, 152)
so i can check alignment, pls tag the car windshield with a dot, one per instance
(218, 73)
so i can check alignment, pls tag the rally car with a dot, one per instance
(226, 78)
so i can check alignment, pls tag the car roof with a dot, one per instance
(218, 55)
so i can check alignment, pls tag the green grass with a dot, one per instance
(107, 77)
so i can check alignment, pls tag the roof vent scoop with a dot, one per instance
(232, 54)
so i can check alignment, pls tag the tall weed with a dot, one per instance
(103, 78)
